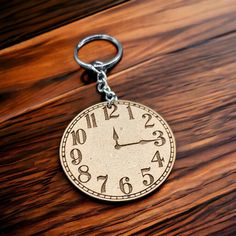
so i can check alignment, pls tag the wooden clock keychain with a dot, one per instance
(116, 150)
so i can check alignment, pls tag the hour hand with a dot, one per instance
(116, 137)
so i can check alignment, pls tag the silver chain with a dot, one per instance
(102, 84)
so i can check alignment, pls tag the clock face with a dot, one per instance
(119, 152)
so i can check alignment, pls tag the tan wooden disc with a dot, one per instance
(117, 153)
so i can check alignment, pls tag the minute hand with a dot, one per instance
(143, 141)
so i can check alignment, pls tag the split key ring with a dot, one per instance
(100, 66)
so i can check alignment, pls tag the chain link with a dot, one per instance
(102, 85)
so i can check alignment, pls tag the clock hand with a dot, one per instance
(142, 141)
(115, 137)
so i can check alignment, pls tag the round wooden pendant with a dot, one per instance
(119, 152)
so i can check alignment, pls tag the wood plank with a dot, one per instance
(21, 20)
(45, 64)
(191, 83)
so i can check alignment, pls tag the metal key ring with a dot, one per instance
(101, 65)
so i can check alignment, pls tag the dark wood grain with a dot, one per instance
(21, 20)
(180, 59)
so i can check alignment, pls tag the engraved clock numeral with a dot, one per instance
(144, 174)
(111, 115)
(79, 136)
(103, 187)
(131, 116)
(160, 139)
(91, 121)
(125, 187)
(84, 175)
(157, 158)
(76, 156)
(149, 117)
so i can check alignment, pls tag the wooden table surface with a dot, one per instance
(179, 58)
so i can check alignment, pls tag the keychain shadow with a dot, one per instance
(88, 77)
(104, 202)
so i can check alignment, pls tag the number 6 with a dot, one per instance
(122, 185)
